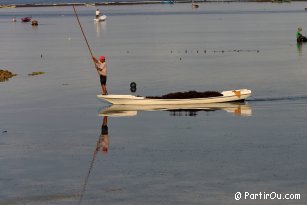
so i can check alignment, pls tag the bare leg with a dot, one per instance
(104, 90)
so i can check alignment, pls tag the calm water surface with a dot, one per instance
(50, 124)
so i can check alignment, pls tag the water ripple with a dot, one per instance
(283, 98)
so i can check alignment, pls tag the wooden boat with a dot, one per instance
(168, 2)
(226, 96)
(89, 4)
(238, 108)
(194, 5)
(101, 18)
(26, 19)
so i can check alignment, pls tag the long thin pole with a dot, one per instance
(88, 46)
(87, 177)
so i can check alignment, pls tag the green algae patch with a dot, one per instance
(36, 73)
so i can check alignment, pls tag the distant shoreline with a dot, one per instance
(131, 3)
(91, 4)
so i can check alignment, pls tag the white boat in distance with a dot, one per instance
(227, 96)
(238, 108)
(101, 18)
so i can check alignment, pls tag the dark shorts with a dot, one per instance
(103, 80)
(104, 129)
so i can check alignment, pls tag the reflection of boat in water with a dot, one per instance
(225, 96)
(131, 110)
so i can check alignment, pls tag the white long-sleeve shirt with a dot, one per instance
(102, 68)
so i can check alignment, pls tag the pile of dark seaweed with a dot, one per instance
(187, 95)
(6, 75)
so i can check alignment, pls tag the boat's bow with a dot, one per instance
(120, 99)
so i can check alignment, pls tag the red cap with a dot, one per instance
(102, 58)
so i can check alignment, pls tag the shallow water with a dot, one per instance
(49, 124)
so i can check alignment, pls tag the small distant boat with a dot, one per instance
(168, 2)
(101, 18)
(225, 96)
(88, 4)
(194, 5)
(26, 19)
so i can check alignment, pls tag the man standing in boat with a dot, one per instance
(102, 70)
(97, 13)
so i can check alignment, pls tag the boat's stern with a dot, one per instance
(240, 94)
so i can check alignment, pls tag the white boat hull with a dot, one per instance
(101, 18)
(228, 96)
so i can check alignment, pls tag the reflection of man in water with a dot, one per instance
(103, 142)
